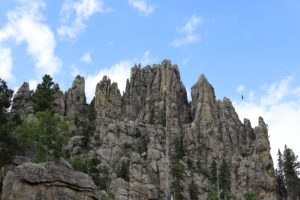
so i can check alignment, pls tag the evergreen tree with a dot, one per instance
(291, 171)
(5, 101)
(177, 169)
(280, 176)
(8, 143)
(193, 190)
(224, 180)
(43, 97)
(213, 172)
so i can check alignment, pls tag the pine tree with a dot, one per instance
(291, 171)
(280, 176)
(43, 97)
(224, 180)
(5, 101)
(8, 143)
(213, 172)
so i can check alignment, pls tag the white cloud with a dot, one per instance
(144, 8)
(118, 73)
(76, 71)
(33, 84)
(280, 107)
(26, 25)
(87, 58)
(5, 64)
(188, 31)
(75, 14)
(240, 88)
(185, 61)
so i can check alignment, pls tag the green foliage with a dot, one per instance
(291, 167)
(202, 169)
(5, 101)
(92, 166)
(279, 172)
(224, 180)
(177, 172)
(87, 126)
(43, 98)
(212, 194)
(123, 170)
(179, 150)
(177, 169)
(290, 163)
(250, 196)
(193, 191)
(162, 117)
(110, 197)
(220, 179)
(213, 172)
(47, 133)
(142, 144)
(8, 142)
(9, 145)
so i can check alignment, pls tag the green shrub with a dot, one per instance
(162, 117)
(92, 166)
(200, 169)
(123, 170)
(250, 196)
(47, 133)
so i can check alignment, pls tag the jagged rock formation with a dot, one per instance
(22, 103)
(59, 103)
(75, 100)
(108, 98)
(133, 133)
(152, 90)
(47, 181)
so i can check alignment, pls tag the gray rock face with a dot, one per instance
(152, 91)
(152, 129)
(47, 181)
(22, 103)
(208, 130)
(75, 100)
(59, 102)
(108, 98)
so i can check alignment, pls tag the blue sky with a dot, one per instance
(249, 48)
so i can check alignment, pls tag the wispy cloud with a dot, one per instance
(185, 61)
(144, 8)
(87, 58)
(240, 88)
(75, 14)
(279, 105)
(5, 64)
(76, 71)
(188, 32)
(118, 73)
(26, 24)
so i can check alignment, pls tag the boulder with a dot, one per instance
(51, 180)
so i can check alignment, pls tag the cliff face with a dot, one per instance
(152, 130)
(51, 180)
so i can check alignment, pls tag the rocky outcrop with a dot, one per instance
(59, 101)
(206, 131)
(151, 91)
(155, 143)
(22, 103)
(108, 98)
(47, 181)
(75, 100)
